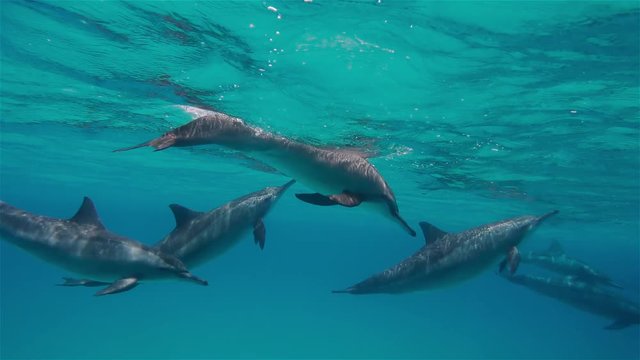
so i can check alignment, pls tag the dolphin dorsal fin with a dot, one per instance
(183, 215)
(87, 214)
(555, 248)
(431, 233)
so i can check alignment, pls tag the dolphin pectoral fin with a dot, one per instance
(82, 282)
(345, 199)
(259, 233)
(618, 324)
(502, 265)
(512, 259)
(119, 286)
(317, 199)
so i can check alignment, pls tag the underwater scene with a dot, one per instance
(319, 179)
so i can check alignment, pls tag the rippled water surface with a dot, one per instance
(472, 111)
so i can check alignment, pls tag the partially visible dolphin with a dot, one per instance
(84, 246)
(341, 177)
(201, 236)
(448, 258)
(584, 296)
(555, 259)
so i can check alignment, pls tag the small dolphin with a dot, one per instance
(584, 296)
(82, 245)
(448, 258)
(201, 236)
(342, 177)
(556, 260)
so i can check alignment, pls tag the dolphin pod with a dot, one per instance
(84, 246)
(584, 296)
(449, 258)
(341, 177)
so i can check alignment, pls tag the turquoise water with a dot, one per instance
(475, 111)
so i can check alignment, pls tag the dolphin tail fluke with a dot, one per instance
(161, 143)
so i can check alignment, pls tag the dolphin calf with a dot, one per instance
(201, 236)
(448, 258)
(555, 259)
(584, 296)
(341, 177)
(84, 246)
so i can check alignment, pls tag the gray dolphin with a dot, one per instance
(584, 296)
(555, 259)
(448, 258)
(82, 245)
(342, 177)
(201, 236)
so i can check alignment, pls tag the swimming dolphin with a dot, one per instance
(342, 177)
(448, 258)
(84, 246)
(201, 236)
(584, 296)
(555, 259)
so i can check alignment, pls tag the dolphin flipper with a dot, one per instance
(119, 286)
(259, 233)
(82, 282)
(345, 199)
(513, 259)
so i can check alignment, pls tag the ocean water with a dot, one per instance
(474, 112)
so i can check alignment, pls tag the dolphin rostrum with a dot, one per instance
(448, 258)
(84, 246)
(200, 236)
(341, 177)
(584, 296)
(555, 259)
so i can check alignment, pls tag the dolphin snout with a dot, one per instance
(190, 276)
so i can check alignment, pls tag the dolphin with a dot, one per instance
(584, 296)
(84, 246)
(449, 258)
(201, 236)
(555, 259)
(341, 177)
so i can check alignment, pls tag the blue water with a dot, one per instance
(475, 111)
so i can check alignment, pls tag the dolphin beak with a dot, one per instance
(405, 225)
(191, 277)
(284, 187)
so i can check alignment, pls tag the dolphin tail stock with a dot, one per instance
(613, 284)
(164, 142)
